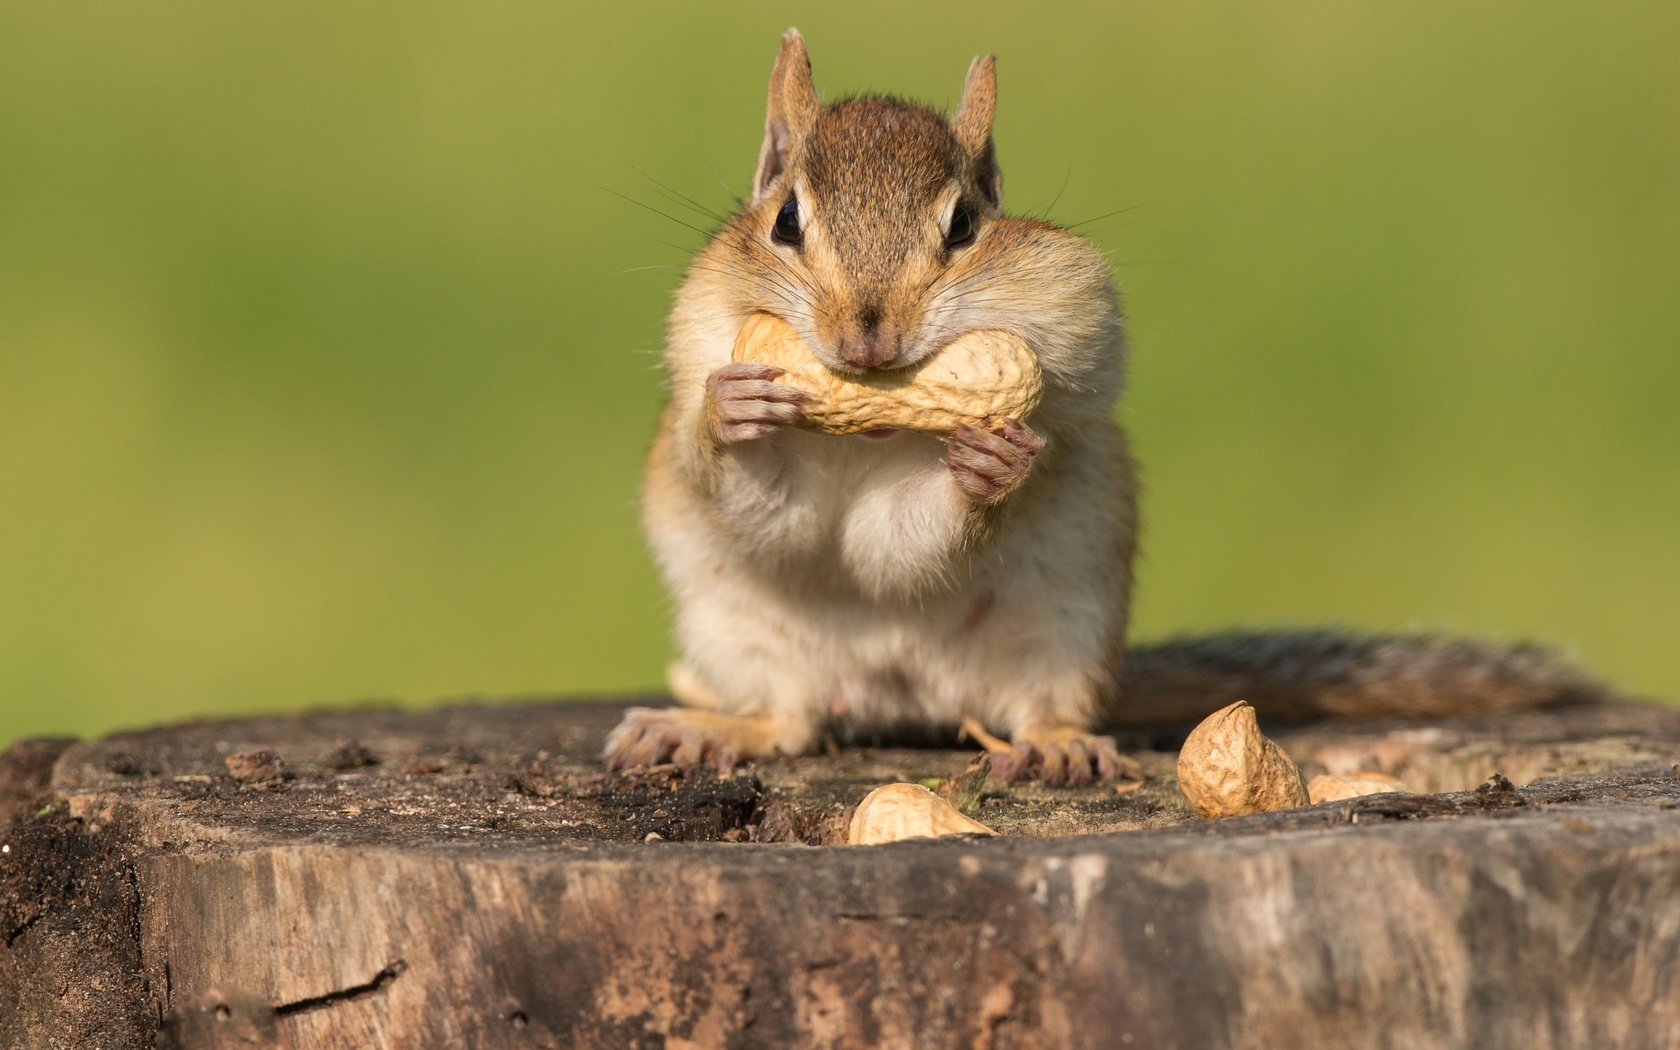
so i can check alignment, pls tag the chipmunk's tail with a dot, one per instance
(1298, 675)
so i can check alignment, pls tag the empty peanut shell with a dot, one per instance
(907, 811)
(1328, 787)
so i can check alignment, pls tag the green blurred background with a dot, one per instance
(328, 351)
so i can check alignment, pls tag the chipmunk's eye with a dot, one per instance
(786, 230)
(963, 224)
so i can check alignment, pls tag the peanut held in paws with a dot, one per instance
(1227, 768)
(978, 379)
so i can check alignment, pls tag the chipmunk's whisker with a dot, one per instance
(677, 197)
(663, 214)
(1099, 218)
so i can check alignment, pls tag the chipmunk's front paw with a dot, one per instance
(744, 402)
(990, 465)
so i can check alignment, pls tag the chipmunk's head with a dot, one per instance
(868, 213)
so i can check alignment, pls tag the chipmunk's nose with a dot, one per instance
(868, 343)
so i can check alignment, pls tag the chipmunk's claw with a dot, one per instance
(745, 401)
(1063, 757)
(989, 465)
(649, 736)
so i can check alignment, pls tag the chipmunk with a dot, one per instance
(896, 580)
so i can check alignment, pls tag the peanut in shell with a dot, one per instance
(979, 378)
(1227, 768)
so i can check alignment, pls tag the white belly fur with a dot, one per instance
(844, 607)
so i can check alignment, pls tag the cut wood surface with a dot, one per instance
(469, 876)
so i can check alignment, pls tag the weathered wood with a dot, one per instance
(468, 877)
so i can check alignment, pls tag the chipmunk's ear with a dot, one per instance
(973, 124)
(792, 112)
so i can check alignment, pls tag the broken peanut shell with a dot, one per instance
(1328, 787)
(979, 378)
(896, 812)
(1227, 768)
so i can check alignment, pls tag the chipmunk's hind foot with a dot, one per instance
(1061, 755)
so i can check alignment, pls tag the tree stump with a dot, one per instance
(470, 877)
